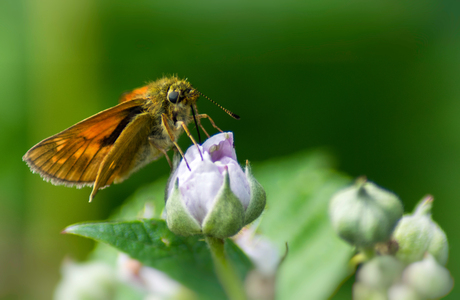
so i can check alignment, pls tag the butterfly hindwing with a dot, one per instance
(122, 156)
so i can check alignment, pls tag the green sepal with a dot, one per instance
(226, 217)
(258, 197)
(439, 246)
(178, 218)
(417, 234)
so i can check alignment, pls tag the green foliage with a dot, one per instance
(185, 259)
(377, 81)
(298, 192)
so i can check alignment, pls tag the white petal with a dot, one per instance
(263, 254)
(149, 279)
(90, 280)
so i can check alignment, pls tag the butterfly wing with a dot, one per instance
(145, 91)
(74, 156)
(139, 93)
(123, 157)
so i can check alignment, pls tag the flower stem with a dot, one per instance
(364, 255)
(225, 272)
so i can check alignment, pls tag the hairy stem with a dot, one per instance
(225, 272)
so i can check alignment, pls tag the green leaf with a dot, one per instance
(298, 191)
(185, 259)
(123, 291)
(147, 202)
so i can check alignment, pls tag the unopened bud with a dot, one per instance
(364, 214)
(364, 292)
(403, 292)
(428, 278)
(417, 234)
(380, 272)
(215, 197)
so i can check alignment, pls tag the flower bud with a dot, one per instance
(154, 283)
(364, 214)
(417, 234)
(380, 272)
(91, 280)
(402, 292)
(428, 278)
(215, 196)
(363, 292)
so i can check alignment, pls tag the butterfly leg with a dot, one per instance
(179, 124)
(198, 120)
(202, 116)
(182, 124)
(152, 142)
(164, 123)
(167, 158)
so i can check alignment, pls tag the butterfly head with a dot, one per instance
(181, 93)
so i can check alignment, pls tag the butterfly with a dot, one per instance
(109, 146)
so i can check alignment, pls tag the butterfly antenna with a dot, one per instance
(235, 116)
(196, 124)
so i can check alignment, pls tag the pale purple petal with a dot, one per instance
(200, 187)
(192, 156)
(239, 184)
(216, 139)
(220, 145)
(192, 153)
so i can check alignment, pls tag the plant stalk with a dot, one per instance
(225, 272)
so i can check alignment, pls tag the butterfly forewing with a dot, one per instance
(139, 93)
(73, 156)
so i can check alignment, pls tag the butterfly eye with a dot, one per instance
(173, 96)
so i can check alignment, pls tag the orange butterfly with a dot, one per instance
(109, 146)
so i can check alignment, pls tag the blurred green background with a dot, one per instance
(375, 82)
